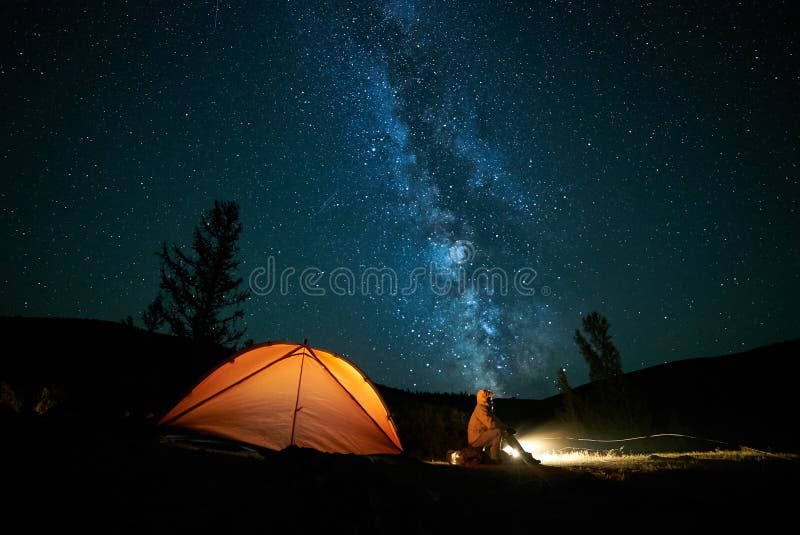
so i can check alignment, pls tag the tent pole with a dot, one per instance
(297, 396)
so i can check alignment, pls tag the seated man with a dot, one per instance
(486, 430)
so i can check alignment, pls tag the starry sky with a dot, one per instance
(439, 191)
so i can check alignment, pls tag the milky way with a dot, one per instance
(437, 190)
(472, 319)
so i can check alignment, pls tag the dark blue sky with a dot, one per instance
(640, 161)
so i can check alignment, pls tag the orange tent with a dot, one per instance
(276, 395)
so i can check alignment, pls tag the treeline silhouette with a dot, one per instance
(109, 372)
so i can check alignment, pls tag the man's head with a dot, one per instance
(485, 397)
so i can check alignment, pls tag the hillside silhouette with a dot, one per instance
(91, 369)
(96, 368)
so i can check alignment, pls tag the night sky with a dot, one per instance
(493, 171)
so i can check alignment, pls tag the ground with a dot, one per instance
(133, 480)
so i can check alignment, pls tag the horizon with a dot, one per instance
(352, 359)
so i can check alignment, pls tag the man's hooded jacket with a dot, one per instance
(483, 417)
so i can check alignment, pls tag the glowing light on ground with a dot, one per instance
(561, 451)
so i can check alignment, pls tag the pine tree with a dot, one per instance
(607, 410)
(201, 292)
(599, 351)
(569, 402)
(153, 316)
(562, 382)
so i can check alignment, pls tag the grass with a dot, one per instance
(619, 467)
(589, 457)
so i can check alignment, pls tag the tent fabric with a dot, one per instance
(282, 394)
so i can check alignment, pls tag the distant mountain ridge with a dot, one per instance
(746, 398)
(102, 368)
(99, 367)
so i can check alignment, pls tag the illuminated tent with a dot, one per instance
(276, 395)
